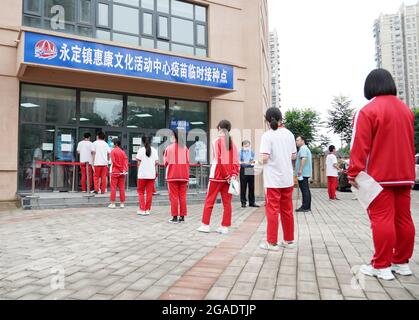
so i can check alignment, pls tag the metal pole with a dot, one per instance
(87, 177)
(74, 178)
(33, 177)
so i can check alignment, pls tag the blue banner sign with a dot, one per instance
(86, 55)
(180, 125)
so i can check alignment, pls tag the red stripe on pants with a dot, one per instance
(101, 172)
(145, 186)
(332, 185)
(84, 177)
(279, 201)
(213, 189)
(177, 195)
(118, 181)
(392, 226)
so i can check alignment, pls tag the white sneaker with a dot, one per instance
(287, 245)
(122, 206)
(112, 206)
(401, 269)
(222, 230)
(269, 247)
(384, 274)
(147, 213)
(204, 228)
(141, 213)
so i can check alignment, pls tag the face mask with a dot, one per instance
(246, 148)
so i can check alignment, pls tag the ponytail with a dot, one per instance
(273, 117)
(225, 126)
(146, 142)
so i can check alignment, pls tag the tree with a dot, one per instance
(303, 122)
(417, 130)
(324, 142)
(340, 118)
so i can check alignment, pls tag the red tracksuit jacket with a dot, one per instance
(383, 142)
(176, 160)
(225, 163)
(119, 161)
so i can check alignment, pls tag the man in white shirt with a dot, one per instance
(101, 152)
(84, 149)
(332, 169)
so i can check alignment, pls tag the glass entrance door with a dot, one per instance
(64, 176)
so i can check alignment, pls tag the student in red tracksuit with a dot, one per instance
(176, 161)
(332, 169)
(119, 162)
(277, 150)
(224, 168)
(383, 147)
(147, 158)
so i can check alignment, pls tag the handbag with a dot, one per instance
(234, 188)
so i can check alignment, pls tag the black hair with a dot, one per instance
(332, 148)
(179, 135)
(379, 82)
(302, 138)
(147, 145)
(225, 126)
(274, 117)
(87, 135)
(101, 135)
(116, 142)
(245, 142)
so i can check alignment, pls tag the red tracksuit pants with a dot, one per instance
(101, 173)
(392, 226)
(145, 187)
(118, 181)
(332, 185)
(177, 196)
(279, 201)
(84, 177)
(213, 189)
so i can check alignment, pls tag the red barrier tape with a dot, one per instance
(80, 163)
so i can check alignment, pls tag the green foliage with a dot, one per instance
(344, 152)
(303, 122)
(340, 118)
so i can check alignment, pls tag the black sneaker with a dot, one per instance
(174, 220)
(302, 210)
(243, 205)
(181, 219)
(254, 206)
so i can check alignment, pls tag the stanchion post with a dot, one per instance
(74, 178)
(33, 177)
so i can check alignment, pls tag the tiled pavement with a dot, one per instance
(105, 254)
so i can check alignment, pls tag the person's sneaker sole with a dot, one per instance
(371, 274)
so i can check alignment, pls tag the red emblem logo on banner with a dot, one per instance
(45, 49)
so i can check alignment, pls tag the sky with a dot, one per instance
(327, 48)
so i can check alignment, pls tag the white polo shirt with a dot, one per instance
(85, 149)
(147, 168)
(331, 171)
(280, 146)
(101, 150)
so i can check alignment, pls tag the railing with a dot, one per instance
(198, 175)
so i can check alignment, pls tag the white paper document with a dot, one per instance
(369, 189)
(66, 137)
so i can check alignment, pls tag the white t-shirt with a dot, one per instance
(331, 171)
(102, 150)
(85, 149)
(147, 168)
(280, 146)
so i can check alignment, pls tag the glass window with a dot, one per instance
(85, 31)
(201, 52)
(43, 104)
(101, 109)
(163, 6)
(182, 31)
(147, 4)
(36, 143)
(103, 14)
(148, 23)
(182, 9)
(125, 19)
(135, 3)
(163, 45)
(163, 27)
(33, 6)
(201, 35)
(146, 113)
(125, 38)
(103, 34)
(56, 8)
(32, 22)
(182, 49)
(86, 11)
(147, 43)
(201, 13)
